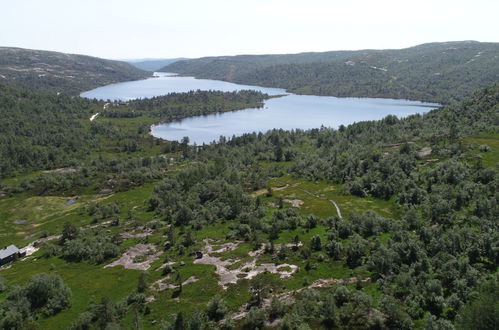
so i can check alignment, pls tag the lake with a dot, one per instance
(287, 112)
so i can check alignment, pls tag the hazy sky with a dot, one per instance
(195, 28)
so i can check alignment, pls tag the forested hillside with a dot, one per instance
(59, 72)
(436, 72)
(388, 224)
(40, 131)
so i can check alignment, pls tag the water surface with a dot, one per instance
(287, 112)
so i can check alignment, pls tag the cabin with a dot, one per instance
(10, 253)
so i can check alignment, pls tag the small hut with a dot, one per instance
(10, 253)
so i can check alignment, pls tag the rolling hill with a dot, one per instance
(59, 72)
(437, 72)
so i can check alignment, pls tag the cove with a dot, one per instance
(288, 112)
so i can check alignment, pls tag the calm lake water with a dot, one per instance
(288, 112)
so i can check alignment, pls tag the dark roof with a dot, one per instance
(8, 251)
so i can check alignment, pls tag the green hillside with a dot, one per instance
(59, 72)
(388, 224)
(436, 72)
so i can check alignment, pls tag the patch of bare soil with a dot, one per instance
(161, 285)
(169, 263)
(429, 161)
(294, 202)
(426, 151)
(139, 257)
(101, 224)
(264, 191)
(137, 233)
(62, 170)
(247, 270)
(35, 245)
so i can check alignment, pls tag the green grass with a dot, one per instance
(316, 198)
(87, 282)
(16, 180)
(41, 213)
(491, 157)
(49, 213)
(92, 282)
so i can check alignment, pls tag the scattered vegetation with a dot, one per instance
(385, 236)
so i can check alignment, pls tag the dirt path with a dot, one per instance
(337, 208)
(35, 245)
(316, 196)
(104, 107)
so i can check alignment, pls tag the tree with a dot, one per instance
(188, 238)
(296, 242)
(178, 280)
(355, 251)
(257, 289)
(196, 321)
(482, 312)
(142, 284)
(69, 232)
(312, 221)
(276, 308)
(179, 322)
(329, 312)
(315, 243)
(255, 319)
(334, 249)
(216, 308)
(48, 293)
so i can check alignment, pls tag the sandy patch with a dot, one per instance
(264, 191)
(426, 151)
(163, 266)
(130, 259)
(62, 170)
(133, 234)
(247, 270)
(160, 285)
(294, 202)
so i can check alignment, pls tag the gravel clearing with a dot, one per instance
(246, 271)
(139, 251)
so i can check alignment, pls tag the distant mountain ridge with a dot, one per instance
(153, 64)
(49, 71)
(437, 72)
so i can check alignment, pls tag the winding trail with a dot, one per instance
(337, 208)
(313, 195)
(104, 107)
